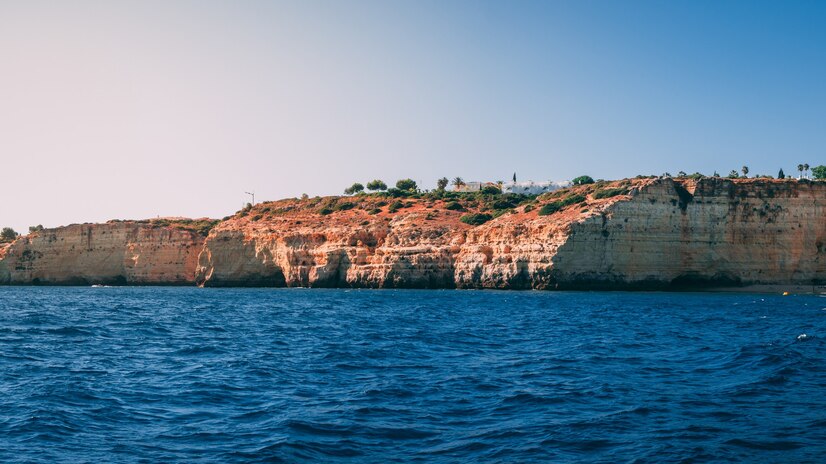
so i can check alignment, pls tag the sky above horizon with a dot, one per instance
(138, 109)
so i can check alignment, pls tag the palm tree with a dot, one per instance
(806, 169)
(745, 171)
(458, 182)
(800, 170)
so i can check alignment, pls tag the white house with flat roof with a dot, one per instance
(534, 188)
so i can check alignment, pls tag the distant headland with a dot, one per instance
(657, 232)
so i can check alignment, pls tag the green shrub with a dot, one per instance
(550, 208)
(491, 190)
(529, 208)
(476, 219)
(582, 180)
(376, 185)
(256, 217)
(454, 206)
(573, 199)
(397, 193)
(374, 211)
(325, 211)
(408, 185)
(7, 234)
(506, 201)
(395, 206)
(343, 206)
(608, 193)
(353, 189)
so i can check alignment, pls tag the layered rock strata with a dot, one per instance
(121, 253)
(649, 233)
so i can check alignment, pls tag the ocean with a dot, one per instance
(158, 374)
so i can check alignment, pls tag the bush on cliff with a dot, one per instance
(343, 206)
(376, 185)
(353, 189)
(554, 206)
(819, 172)
(7, 234)
(408, 185)
(550, 208)
(582, 180)
(608, 193)
(476, 219)
(395, 206)
(454, 206)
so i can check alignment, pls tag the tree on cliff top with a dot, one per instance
(819, 172)
(376, 185)
(7, 234)
(582, 180)
(353, 189)
(745, 170)
(781, 174)
(441, 184)
(406, 184)
(458, 182)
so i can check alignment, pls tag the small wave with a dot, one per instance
(780, 445)
(530, 398)
(69, 331)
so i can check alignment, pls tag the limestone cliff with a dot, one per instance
(643, 233)
(651, 233)
(112, 253)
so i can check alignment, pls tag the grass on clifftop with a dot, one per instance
(199, 226)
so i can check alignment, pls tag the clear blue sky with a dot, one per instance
(146, 108)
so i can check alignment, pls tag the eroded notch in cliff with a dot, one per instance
(685, 197)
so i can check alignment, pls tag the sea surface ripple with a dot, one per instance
(297, 375)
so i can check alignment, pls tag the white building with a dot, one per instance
(534, 188)
(473, 186)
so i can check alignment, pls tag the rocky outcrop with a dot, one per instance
(124, 253)
(665, 234)
(659, 233)
(632, 234)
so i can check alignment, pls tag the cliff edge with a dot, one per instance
(655, 233)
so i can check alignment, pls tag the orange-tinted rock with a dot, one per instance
(652, 233)
(111, 253)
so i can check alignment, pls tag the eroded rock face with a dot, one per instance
(662, 234)
(712, 232)
(655, 233)
(112, 253)
(405, 250)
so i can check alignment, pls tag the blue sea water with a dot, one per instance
(296, 375)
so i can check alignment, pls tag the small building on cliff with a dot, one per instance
(533, 188)
(474, 186)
